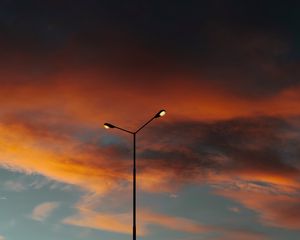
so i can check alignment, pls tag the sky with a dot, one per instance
(222, 164)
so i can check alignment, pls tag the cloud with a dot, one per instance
(122, 222)
(43, 211)
(241, 234)
(234, 209)
(15, 186)
(240, 53)
(2, 238)
(86, 102)
(274, 209)
(61, 157)
(245, 148)
(108, 222)
(254, 161)
(174, 223)
(110, 213)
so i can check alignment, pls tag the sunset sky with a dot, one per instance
(223, 164)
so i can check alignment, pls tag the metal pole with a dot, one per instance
(134, 190)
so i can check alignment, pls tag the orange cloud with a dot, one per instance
(85, 95)
(53, 157)
(43, 210)
(108, 222)
(122, 222)
(276, 208)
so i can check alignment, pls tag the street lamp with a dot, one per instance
(108, 126)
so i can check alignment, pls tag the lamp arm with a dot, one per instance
(144, 125)
(124, 130)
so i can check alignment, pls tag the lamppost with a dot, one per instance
(107, 126)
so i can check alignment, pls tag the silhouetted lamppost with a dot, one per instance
(107, 126)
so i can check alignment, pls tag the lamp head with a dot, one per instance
(160, 113)
(108, 125)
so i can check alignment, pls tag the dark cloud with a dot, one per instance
(253, 161)
(249, 48)
(257, 145)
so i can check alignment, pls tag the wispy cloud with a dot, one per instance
(15, 186)
(234, 209)
(122, 222)
(43, 210)
(274, 209)
(241, 234)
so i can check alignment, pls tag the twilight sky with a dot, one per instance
(223, 164)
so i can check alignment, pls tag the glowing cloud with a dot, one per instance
(43, 210)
